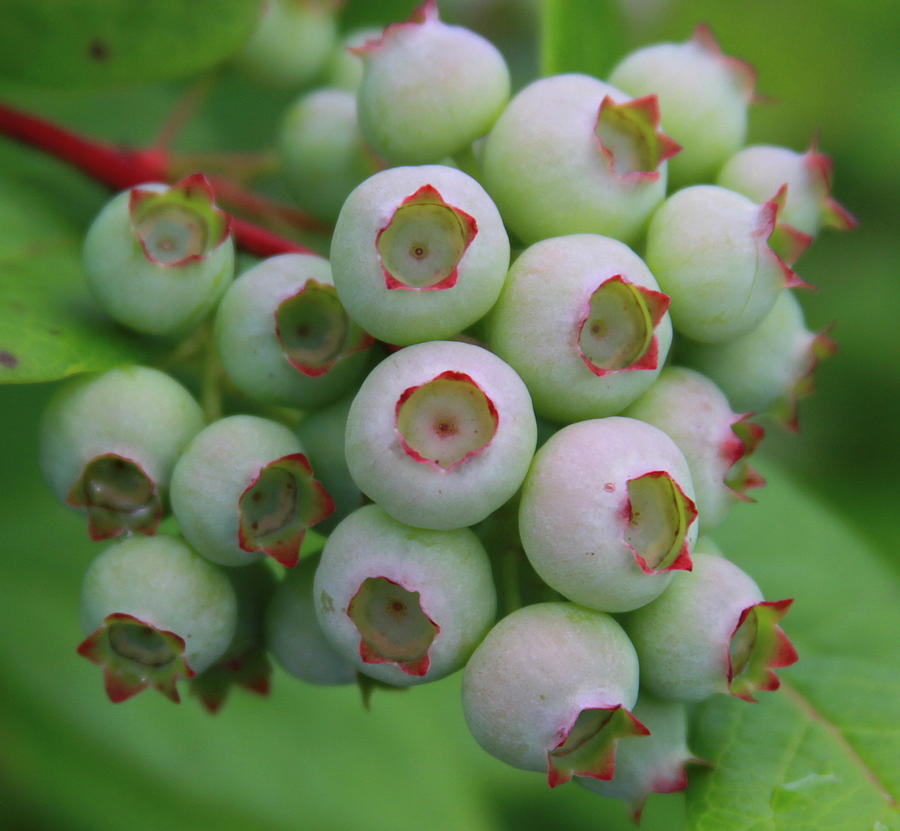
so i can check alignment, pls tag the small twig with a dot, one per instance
(187, 105)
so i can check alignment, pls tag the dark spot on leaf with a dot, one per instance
(55, 331)
(98, 50)
(8, 360)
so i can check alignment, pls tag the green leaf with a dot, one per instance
(580, 36)
(822, 753)
(85, 43)
(49, 326)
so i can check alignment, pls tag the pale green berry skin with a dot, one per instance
(345, 69)
(703, 99)
(705, 250)
(145, 296)
(682, 637)
(533, 326)
(251, 354)
(321, 151)
(696, 415)
(293, 634)
(536, 670)
(135, 412)
(291, 43)
(655, 763)
(759, 369)
(429, 90)
(421, 494)
(212, 474)
(403, 316)
(448, 569)
(161, 581)
(543, 165)
(573, 510)
(323, 433)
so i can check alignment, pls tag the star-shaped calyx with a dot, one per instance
(757, 647)
(743, 439)
(426, 13)
(779, 241)
(821, 167)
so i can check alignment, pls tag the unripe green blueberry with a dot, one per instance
(154, 611)
(291, 42)
(109, 442)
(245, 663)
(550, 689)
(345, 67)
(243, 488)
(656, 764)
(321, 151)
(418, 253)
(695, 414)
(571, 154)
(760, 170)
(323, 433)
(440, 434)
(294, 636)
(428, 89)
(709, 249)
(405, 605)
(710, 632)
(582, 320)
(704, 96)
(157, 258)
(607, 513)
(284, 337)
(771, 368)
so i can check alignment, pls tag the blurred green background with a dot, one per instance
(311, 758)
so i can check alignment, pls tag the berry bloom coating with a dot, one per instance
(245, 662)
(440, 434)
(418, 253)
(243, 488)
(294, 636)
(323, 432)
(291, 42)
(694, 413)
(770, 368)
(157, 258)
(406, 605)
(154, 612)
(710, 632)
(109, 442)
(709, 249)
(571, 154)
(284, 337)
(607, 513)
(428, 89)
(656, 764)
(582, 320)
(759, 171)
(704, 96)
(550, 689)
(345, 67)
(321, 150)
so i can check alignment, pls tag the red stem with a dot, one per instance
(120, 169)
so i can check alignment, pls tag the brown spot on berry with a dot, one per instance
(8, 360)
(98, 50)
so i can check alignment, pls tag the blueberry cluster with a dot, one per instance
(457, 423)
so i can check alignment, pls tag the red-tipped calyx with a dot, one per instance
(427, 12)
(630, 139)
(423, 243)
(279, 504)
(781, 242)
(446, 420)
(135, 655)
(817, 348)
(743, 439)
(741, 72)
(314, 330)
(249, 668)
(392, 625)
(657, 515)
(757, 647)
(588, 745)
(617, 332)
(178, 225)
(118, 496)
(834, 215)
